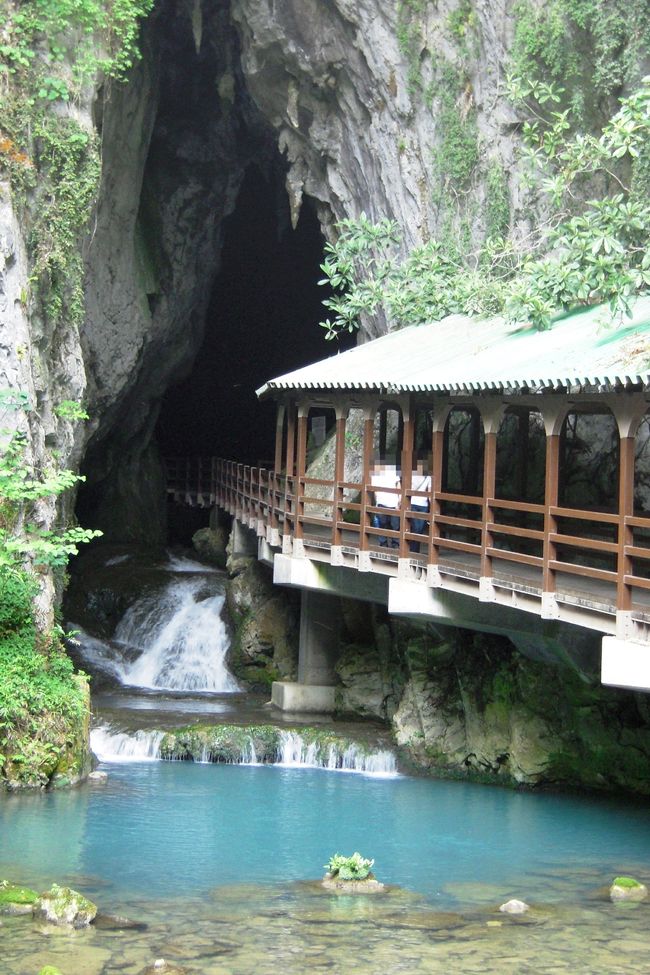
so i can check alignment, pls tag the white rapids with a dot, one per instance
(293, 751)
(172, 639)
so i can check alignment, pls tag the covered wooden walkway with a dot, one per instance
(525, 484)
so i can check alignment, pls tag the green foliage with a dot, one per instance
(458, 151)
(583, 254)
(409, 38)
(20, 486)
(497, 202)
(593, 47)
(17, 589)
(354, 867)
(50, 50)
(42, 702)
(69, 409)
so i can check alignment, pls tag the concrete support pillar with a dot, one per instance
(319, 638)
(243, 540)
(318, 652)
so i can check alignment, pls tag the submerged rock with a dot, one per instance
(62, 905)
(627, 889)
(15, 899)
(367, 886)
(98, 776)
(210, 544)
(514, 906)
(113, 922)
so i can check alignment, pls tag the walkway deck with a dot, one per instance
(464, 552)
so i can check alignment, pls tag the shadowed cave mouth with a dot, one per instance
(262, 320)
(264, 305)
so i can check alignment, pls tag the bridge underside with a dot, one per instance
(407, 592)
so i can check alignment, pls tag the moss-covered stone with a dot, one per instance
(15, 899)
(62, 905)
(50, 970)
(627, 889)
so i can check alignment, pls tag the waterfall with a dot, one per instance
(291, 750)
(170, 639)
(295, 752)
(122, 746)
(182, 638)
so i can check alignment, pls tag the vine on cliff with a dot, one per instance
(42, 702)
(50, 52)
(582, 253)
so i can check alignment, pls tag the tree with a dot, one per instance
(584, 250)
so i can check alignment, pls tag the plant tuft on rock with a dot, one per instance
(354, 867)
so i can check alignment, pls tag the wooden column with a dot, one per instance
(279, 429)
(406, 462)
(339, 477)
(625, 510)
(289, 468)
(437, 460)
(301, 467)
(273, 486)
(551, 492)
(489, 485)
(368, 438)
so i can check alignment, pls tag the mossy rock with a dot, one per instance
(627, 889)
(15, 899)
(62, 905)
(50, 970)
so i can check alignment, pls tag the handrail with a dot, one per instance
(277, 500)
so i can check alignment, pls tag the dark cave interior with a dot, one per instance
(262, 321)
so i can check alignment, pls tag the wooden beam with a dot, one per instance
(625, 510)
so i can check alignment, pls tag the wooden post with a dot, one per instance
(437, 460)
(625, 510)
(339, 477)
(301, 467)
(368, 438)
(405, 481)
(489, 486)
(274, 483)
(551, 493)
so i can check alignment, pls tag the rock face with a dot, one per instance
(265, 640)
(627, 889)
(469, 704)
(62, 905)
(210, 544)
(15, 899)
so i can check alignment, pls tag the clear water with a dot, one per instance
(204, 852)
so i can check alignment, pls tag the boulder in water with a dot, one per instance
(210, 544)
(627, 889)
(98, 776)
(15, 899)
(514, 906)
(62, 905)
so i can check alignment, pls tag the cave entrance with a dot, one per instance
(262, 320)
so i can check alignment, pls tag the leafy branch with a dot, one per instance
(583, 252)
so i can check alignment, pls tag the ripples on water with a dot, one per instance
(214, 859)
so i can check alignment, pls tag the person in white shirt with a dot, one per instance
(420, 481)
(385, 476)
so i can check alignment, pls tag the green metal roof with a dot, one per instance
(462, 354)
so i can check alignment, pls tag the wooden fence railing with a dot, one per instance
(553, 549)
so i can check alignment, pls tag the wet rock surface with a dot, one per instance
(61, 905)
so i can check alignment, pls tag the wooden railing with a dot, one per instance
(551, 549)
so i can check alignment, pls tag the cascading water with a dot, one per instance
(290, 750)
(171, 639)
(182, 637)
